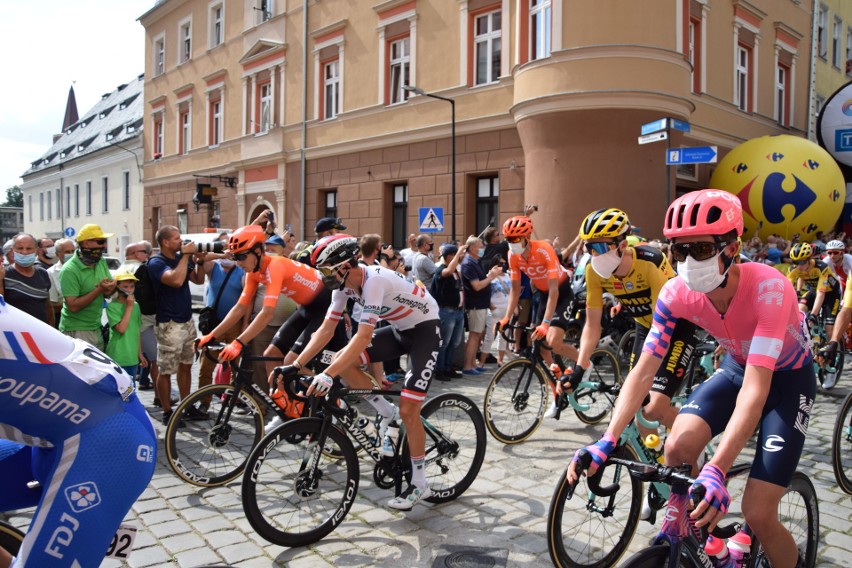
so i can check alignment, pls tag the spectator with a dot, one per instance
(135, 255)
(818, 244)
(125, 322)
(421, 262)
(500, 288)
(64, 252)
(7, 251)
(85, 281)
(46, 253)
(275, 246)
(408, 253)
(170, 273)
(26, 285)
(477, 299)
(329, 226)
(446, 289)
(496, 249)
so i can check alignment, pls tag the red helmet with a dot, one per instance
(245, 238)
(519, 226)
(704, 212)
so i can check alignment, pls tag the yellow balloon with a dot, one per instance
(787, 185)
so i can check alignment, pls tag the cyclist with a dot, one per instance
(280, 275)
(634, 275)
(813, 277)
(837, 259)
(414, 329)
(766, 378)
(70, 419)
(538, 260)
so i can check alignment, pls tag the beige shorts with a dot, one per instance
(174, 345)
(91, 337)
(476, 320)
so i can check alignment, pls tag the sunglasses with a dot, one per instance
(833, 252)
(597, 249)
(240, 255)
(99, 241)
(698, 251)
(514, 240)
(330, 270)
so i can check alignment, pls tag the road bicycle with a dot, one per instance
(798, 512)
(519, 392)
(824, 368)
(701, 366)
(302, 478)
(841, 446)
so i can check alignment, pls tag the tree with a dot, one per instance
(14, 197)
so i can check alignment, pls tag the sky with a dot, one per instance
(48, 46)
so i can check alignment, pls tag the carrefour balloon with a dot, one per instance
(787, 186)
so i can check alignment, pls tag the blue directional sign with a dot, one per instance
(69, 232)
(654, 126)
(697, 155)
(679, 125)
(431, 219)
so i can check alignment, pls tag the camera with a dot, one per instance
(215, 246)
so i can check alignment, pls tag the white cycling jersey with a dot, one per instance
(386, 295)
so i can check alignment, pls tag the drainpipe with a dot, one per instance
(812, 76)
(302, 161)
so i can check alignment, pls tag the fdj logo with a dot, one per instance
(83, 496)
(843, 139)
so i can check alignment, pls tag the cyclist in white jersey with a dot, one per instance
(412, 315)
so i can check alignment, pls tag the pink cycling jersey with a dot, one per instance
(762, 326)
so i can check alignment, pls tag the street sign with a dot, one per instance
(69, 232)
(654, 137)
(431, 219)
(654, 126)
(679, 125)
(697, 155)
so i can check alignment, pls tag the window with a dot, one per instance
(76, 199)
(694, 52)
(262, 10)
(486, 47)
(782, 94)
(400, 215)
(157, 142)
(182, 219)
(30, 207)
(59, 203)
(400, 62)
(159, 55)
(185, 141)
(41, 206)
(331, 89)
(540, 27)
(487, 208)
(215, 121)
(49, 205)
(331, 204)
(822, 31)
(185, 42)
(265, 108)
(835, 42)
(105, 195)
(741, 85)
(68, 201)
(217, 23)
(125, 191)
(88, 198)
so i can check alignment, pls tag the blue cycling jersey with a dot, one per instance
(68, 418)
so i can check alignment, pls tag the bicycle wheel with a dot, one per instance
(294, 495)
(10, 538)
(799, 513)
(841, 446)
(605, 371)
(588, 531)
(213, 452)
(655, 557)
(515, 401)
(455, 445)
(625, 350)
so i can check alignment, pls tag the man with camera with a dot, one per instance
(170, 272)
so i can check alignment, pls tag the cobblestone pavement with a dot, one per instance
(499, 521)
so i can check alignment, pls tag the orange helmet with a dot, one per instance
(519, 226)
(245, 238)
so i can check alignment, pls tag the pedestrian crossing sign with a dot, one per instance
(431, 219)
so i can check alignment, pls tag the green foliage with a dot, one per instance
(14, 197)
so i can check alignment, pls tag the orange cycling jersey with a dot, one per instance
(541, 265)
(280, 275)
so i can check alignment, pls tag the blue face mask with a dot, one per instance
(67, 257)
(25, 259)
(481, 252)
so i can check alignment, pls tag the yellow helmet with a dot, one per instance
(605, 223)
(801, 252)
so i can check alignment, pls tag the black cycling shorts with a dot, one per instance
(294, 334)
(672, 371)
(562, 313)
(783, 422)
(421, 343)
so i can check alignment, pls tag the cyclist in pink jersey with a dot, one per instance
(766, 379)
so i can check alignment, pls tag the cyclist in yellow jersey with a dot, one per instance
(816, 283)
(634, 275)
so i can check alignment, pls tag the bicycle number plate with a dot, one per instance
(122, 542)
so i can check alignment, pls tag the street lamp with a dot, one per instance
(419, 91)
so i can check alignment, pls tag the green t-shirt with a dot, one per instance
(77, 279)
(123, 348)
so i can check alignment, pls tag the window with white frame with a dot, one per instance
(217, 24)
(782, 81)
(185, 36)
(262, 11)
(540, 28)
(159, 55)
(185, 137)
(836, 31)
(59, 203)
(486, 47)
(76, 199)
(49, 205)
(265, 108)
(41, 206)
(822, 31)
(330, 203)
(105, 194)
(30, 207)
(88, 198)
(68, 201)
(125, 190)
(399, 67)
(157, 140)
(215, 120)
(741, 78)
(331, 89)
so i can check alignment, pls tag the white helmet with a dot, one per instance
(835, 245)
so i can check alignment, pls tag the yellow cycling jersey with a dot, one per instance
(819, 277)
(637, 292)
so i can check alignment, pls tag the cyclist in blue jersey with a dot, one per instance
(69, 419)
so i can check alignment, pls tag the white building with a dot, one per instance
(92, 173)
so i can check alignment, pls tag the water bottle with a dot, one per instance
(739, 547)
(391, 439)
(718, 551)
(557, 372)
(280, 399)
(367, 427)
(655, 443)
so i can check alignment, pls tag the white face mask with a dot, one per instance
(605, 264)
(50, 252)
(701, 275)
(516, 248)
